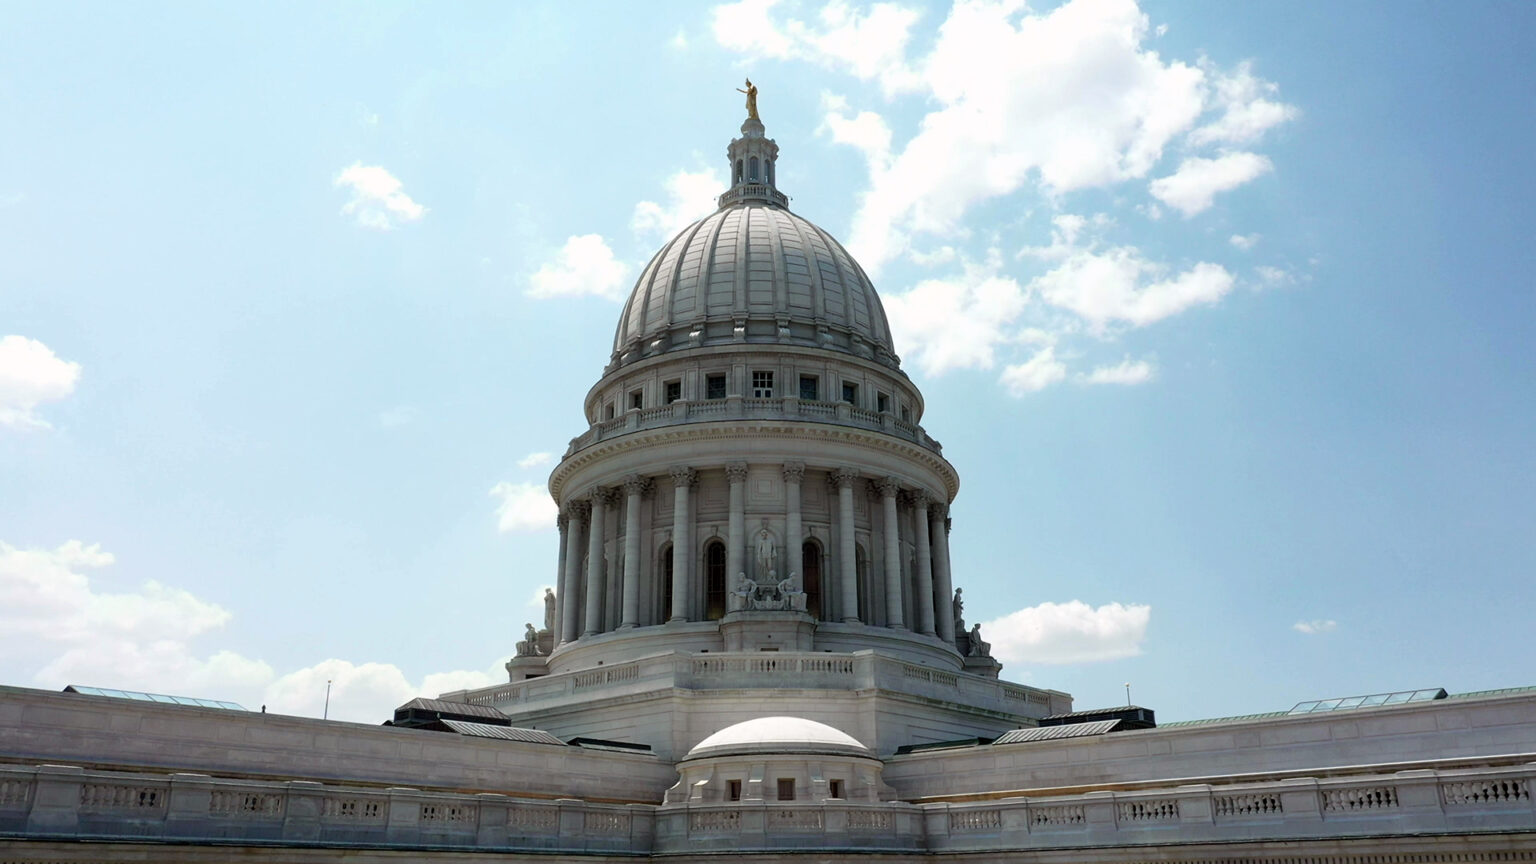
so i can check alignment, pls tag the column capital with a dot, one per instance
(844, 477)
(562, 520)
(634, 484)
(601, 495)
(682, 475)
(938, 511)
(577, 510)
(888, 486)
(920, 499)
(736, 472)
(794, 472)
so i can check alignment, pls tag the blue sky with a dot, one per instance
(1222, 311)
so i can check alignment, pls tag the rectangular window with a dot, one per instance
(608, 411)
(786, 788)
(674, 391)
(733, 790)
(714, 387)
(762, 385)
(810, 387)
(835, 789)
(906, 413)
(636, 400)
(850, 393)
(882, 402)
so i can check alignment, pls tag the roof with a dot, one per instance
(758, 263)
(458, 709)
(1094, 712)
(506, 733)
(1052, 733)
(138, 696)
(766, 735)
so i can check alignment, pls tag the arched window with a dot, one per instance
(752, 171)
(738, 170)
(664, 569)
(769, 164)
(714, 580)
(811, 583)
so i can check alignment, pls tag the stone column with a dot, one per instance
(736, 539)
(794, 474)
(925, 602)
(945, 589)
(576, 519)
(595, 564)
(562, 522)
(848, 561)
(635, 488)
(682, 544)
(889, 487)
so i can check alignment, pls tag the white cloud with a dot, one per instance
(1127, 372)
(58, 627)
(583, 266)
(1194, 186)
(865, 130)
(680, 41)
(524, 508)
(954, 323)
(1244, 241)
(1273, 277)
(535, 460)
(691, 195)
(1072, 632)
(1035, 374)
(378, 200)
(1246, 112)
(869, 44)
(1111, 286)
(1069, 96)
(31, 375)
(1321, 625)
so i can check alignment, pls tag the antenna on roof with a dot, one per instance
(327, 714)
(1127, 694)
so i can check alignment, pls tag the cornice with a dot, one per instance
(825, 433)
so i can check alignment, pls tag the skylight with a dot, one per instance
(1374, 700)
(153, 697)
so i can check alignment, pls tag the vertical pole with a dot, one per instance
(595, 564)
(848, 567)
(682, 544)
(570, 621)
(925, 599)
(735, 556)
(888, 489)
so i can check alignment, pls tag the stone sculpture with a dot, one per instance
(979, 646)
(529, 646)
(549, 609)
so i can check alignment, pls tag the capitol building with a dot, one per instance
(757, 647)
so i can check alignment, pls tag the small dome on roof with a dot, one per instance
(779, 735)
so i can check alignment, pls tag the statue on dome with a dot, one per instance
(529, 647)
(958, 608)
(745, 594)
(549, 609)
(751, 92)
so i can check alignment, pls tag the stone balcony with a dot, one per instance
(737, 408)
(1369, 811)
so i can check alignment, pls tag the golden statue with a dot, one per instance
(751, 92)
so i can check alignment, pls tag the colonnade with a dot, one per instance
(930, 588)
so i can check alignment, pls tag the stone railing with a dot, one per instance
(742, 408)
(1405, 802)
(66, 802)
(58, 801)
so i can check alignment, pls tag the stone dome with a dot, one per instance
(753, 272)
(772, 735)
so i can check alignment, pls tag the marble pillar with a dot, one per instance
(682, 480)
(600, 498)
(576, 519)
(794, 551)
(635, 488)
(848, 562)
(889, 488)
(563, 523)
(945, 588)
(736, 537)
(925, 598)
